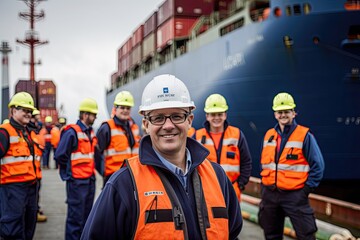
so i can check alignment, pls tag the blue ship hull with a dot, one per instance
(250, 65)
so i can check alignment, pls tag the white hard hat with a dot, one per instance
(165, 91)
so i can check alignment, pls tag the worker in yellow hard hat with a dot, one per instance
(48, 146)
(19, 171)
(227, 144)
(75, 157)
(121, 128)
(292, 167)
(39, 143)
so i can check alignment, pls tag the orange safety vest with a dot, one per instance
(55, 136)
(292, 169)
(82, 159)
(17, 166)
(150, 189)
(119, 149)
(230, 153)
(191, 132)
(38, 148)
(47, 135)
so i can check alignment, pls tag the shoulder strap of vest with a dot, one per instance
(178, 212)
(200, 205)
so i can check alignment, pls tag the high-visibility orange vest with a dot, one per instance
(292, 169)
(82, 159)
(55, 136)
(191, 132)
(17, 165)
(38, 148)
(230, 153)
(119, 149)
(152, 195)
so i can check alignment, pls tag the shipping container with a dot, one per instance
(46, 87)
(126, 47)
(125, 63)
(136, 55)
(114, 78)
(149, 46)
(150, 24)
(138, 36)
(172, 29)
(29, 87)
(44, 112)
(183, 8)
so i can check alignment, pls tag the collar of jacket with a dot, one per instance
(83, 127)
(16, 125)
(148, 156)
(207, 125)
(288, 129)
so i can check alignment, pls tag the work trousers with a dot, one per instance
(46, 154)
(276, 204)
(18, 210)
(80, 198)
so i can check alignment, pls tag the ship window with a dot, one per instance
(231, 27)
(297, 9)
(277, 12)
(288, 11)
(307, 8)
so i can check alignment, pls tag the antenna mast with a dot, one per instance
(32, 38)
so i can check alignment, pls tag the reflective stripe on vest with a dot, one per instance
(82, 159)
(153, 199)
(119, 149)
(17, 165)
(230, 153)
(291, 171)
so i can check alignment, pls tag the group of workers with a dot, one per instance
(174, 182)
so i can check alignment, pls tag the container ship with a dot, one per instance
(250, 50)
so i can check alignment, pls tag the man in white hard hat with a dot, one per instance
(118, 137)
(169, 191)
(292, 167)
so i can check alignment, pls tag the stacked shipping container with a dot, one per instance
(172, 21)
(44, 94)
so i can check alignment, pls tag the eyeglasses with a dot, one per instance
(284, 112)
(175, 118)
(123, 107)
(25, 110)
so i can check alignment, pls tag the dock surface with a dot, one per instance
(52, 202)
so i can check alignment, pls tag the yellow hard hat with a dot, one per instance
(215, 103)
(124, 98)
(35, 112)
(48, 119)
(88, 105)
(283, 101)
(22, 99)
(6, 121)
(62, 120)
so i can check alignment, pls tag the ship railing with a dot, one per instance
(326, 208)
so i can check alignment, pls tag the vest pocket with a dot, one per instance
(18, 170)
(20, 151)
(265, 172)
(220, 212)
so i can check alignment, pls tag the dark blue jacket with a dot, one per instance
(114, 215)
(68, 143)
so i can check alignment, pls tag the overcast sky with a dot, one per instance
(83, 35)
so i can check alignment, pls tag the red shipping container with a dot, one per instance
(114, 78)
(138, 36)
(136, 55)
(46, 87)
(48, 112)
(150, 24)
(149, 45)
(183, 8)
(125, 63)
(172, 29)
(47, 101)
(27, 86)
